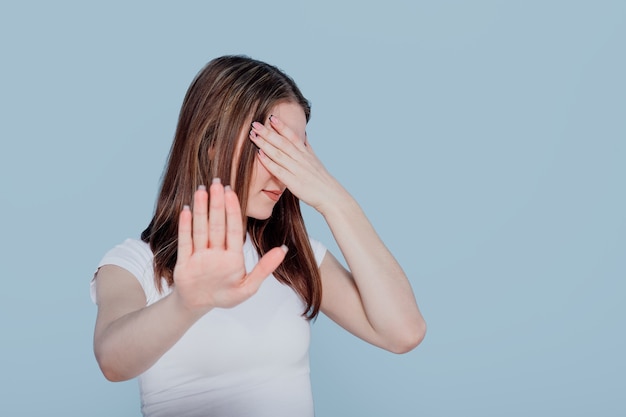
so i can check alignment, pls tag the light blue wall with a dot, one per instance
(486, 140)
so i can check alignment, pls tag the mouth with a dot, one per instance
(272, 194)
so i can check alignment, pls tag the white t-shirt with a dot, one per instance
(250, 360)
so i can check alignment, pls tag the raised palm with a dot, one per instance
(210, 270)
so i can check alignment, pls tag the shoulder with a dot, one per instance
(136, 257)
(132, 254)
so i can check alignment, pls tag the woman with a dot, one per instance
(211, 308)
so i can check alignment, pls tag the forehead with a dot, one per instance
(293, 116)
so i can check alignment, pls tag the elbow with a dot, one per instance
(410, 339)
(110, 372)
(111, 375)
(108, 367)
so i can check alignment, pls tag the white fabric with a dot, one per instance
(250, 360)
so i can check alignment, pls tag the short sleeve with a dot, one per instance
(136, 257)
(319, 250)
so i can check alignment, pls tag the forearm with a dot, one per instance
(385, 291)
(131, 344)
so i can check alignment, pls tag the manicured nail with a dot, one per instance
(186, 207)
(216, 180)
(227, 188)
(284, 248)
(256, 125)
(201, 188)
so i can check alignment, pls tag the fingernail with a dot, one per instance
(284, 248)
(271, 116)
(186, 207)
(252, 135)
(216, 181)
(256, 125)
(227, 188)
(201, 188)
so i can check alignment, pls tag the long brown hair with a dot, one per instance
(224, 98)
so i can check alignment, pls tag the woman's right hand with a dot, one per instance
(210, 270)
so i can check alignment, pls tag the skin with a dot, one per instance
(373, 299)
(260, 205)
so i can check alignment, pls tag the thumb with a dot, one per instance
(266, 265)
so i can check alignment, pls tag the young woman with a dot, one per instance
(211, 308)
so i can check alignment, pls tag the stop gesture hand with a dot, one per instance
(210, 269)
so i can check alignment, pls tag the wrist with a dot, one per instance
(340, 203)
(186, 309)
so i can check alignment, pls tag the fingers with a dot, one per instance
(273, 147)
(200, 226)
(217, 216)
(275, 144)
(185, 243)
(266, 265)
(219, 228)
(285, 131)
(276, 169)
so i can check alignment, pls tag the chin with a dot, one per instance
(259, 215)
(260, 210)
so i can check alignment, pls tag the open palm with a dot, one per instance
(210, 270)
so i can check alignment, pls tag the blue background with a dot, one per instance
(486, 141)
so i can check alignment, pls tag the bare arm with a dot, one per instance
(130, 337)
(210, 272)
(374, 299)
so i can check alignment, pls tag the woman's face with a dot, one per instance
(265, 189)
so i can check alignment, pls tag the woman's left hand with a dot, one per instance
(374, 299)
(292, 161)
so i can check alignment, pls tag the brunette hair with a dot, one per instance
(224, 98)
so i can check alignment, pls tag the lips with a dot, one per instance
(273, 195)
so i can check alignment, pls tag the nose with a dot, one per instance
(274, 181)
(278, 183)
